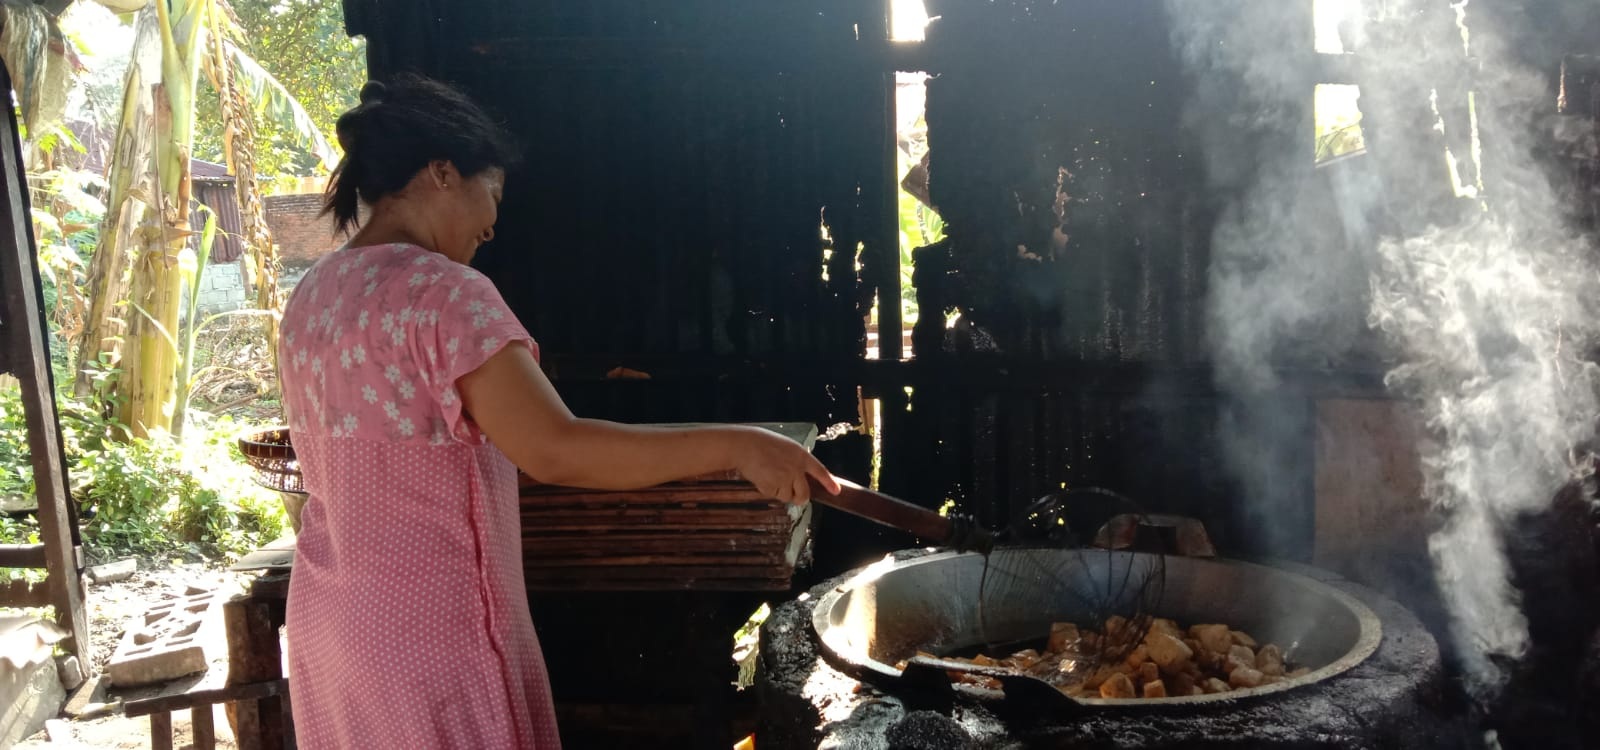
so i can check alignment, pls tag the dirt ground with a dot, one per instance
(111, 606)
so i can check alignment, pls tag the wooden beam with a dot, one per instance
(22, 556)
(884, 233)
(28, 352)
(162, 704)
(978, 372)
(32, 556)
(18, 592)
(520, 54)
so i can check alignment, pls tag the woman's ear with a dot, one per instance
(443, 174)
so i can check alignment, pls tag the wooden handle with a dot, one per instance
(878, 507)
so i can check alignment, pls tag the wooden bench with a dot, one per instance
(253, 687)
(199, 703)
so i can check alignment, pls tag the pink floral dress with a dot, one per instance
(408, 621)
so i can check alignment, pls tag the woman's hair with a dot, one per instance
(400, 128)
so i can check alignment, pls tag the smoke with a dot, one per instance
(1444, 249)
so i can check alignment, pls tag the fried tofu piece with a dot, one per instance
(1270, 659)
(1206, 658)
(1239, 656)
(1099, 677)
(1181, 684)
(1025, 659)
(1245, 677)
(1215, 638)
(1118, 686)
(1166, 661)
(1148, 672)
(1063, 636)
(1169, 654)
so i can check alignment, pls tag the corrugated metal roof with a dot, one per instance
(217, 193)
(213, 187)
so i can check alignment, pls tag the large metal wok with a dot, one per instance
(887, 612)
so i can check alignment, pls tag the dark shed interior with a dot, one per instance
(710, 196)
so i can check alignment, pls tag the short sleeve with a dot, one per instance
(463, 321)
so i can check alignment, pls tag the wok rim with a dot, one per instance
(1369, 637)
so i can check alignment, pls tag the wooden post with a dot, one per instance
(161, 731)
(205, 734)
(255, 656)
(24, 337)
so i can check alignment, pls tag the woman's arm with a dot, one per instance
(515, 405)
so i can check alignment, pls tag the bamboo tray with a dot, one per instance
(711, 533)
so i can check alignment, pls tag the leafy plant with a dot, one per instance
(920, 226)
(301, 44)
(65, 216)
(129, 488)
(143, 496)
(159, 493)
(227, 511)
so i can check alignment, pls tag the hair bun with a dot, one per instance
(374, 92)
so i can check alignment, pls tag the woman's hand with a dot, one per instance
(778, 466)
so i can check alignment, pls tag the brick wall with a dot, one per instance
(301, 235)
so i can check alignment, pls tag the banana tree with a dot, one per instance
(154, 226)
(192, 266)
(130, 185)
(150, 364)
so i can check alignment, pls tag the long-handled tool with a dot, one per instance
(956, 531)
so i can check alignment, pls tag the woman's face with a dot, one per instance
(468, 210)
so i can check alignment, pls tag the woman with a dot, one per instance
(413, 395)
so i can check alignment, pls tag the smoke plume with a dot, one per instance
(1443, 250)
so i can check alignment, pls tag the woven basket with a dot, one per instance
(271, 454)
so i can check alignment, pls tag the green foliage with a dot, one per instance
(130, 486)
(160, 493)
(747, 645)
(150, 495)
(227, 510)
(920, 226)
(82, 431)
(66, 218)
(147, 495)
(303, 44)
(1338, 121)
(16, 477)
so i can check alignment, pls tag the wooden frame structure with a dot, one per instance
(25, 353)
